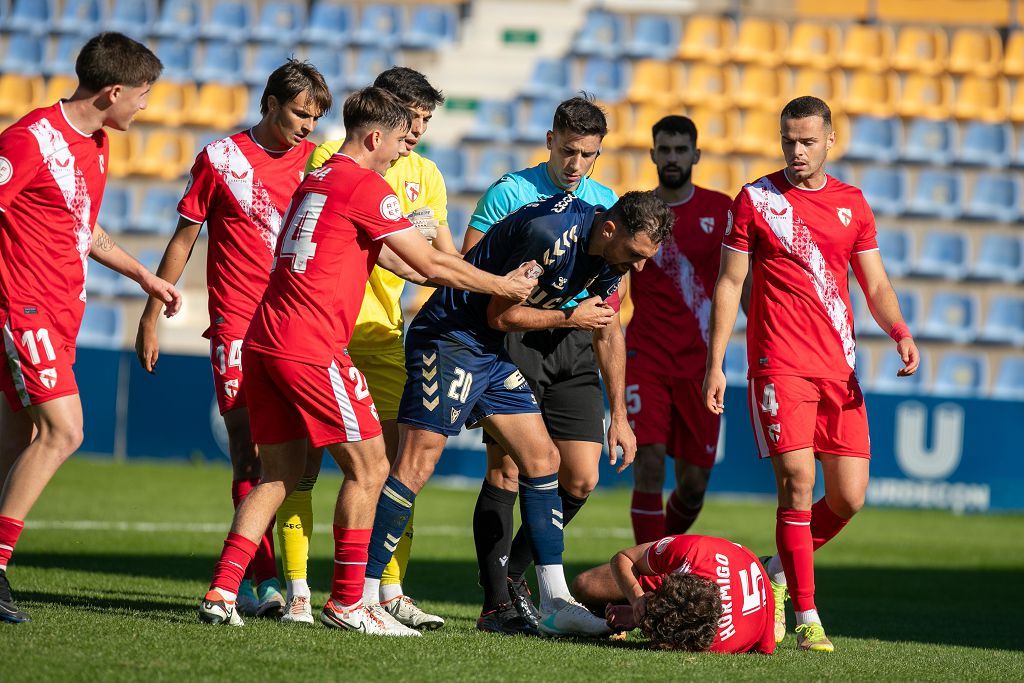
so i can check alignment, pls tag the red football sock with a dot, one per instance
(234, 558)
(351, 551)
(647, 516)
(264, 564)
(678, 517)
(796, 550)
(825, 524)
(10, 529)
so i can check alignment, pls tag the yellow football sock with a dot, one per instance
(394, 573)
(294, 528)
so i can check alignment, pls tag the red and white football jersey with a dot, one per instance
(672, 294)
(241, 190)
(52, 177)
(748, 607)
(801, 243)
(326, 251)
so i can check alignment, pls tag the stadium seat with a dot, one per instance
(718, 173)
(64, 54)
(925, 96)
(1013, 56)
(870, 93)
(735, 364)
(533, 119)
(896, 247)
(760, 41)
(125, 148)
(167, 154)
(100, 280)
(169, 103)
(80, 16)
(995, 197)
(157, 213)
(928, 142)
(19, 93)
(952, 316)
(1004, 323)
(551, 78)
(873, 139)
(653, 36)
(132, 17)
(451, 161)
(651, 82)
(330, 62)
(620, 124)
(178, 57)
(380, 26)
(866, 46)
(984, 99)
(829, 86)
(369, 62)
(268, 57)
(936, 194)
(717, 129)
(1016, 113)
(614, 170)
(758, 133)
(1000, 257)
(884, 189)
(116, 208)
(329, 24)
(842, 172)
(761, 87)
(430, 28)
(645, 116)
(812, 44)
(706, 85)
(491, 164)
(975, 51)
(921, 49)
(960, 374)
(761, 166)
(1009, 379)
(102, 326)
(150, 258)
(280, 22)
(25, 54)
(707, 39)
(943, 254)
(228, 20)
(221, 61)
(985, 144)
(601, 35)
(458, 221)
(606, 79)
(30, 16)
(886, 380)
(495, 121)
(864, 366)
(179, 19)
(220, 106)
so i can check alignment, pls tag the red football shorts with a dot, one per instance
(671, 412)
(790, 413)
(37, 363)
(228, 380)
(289, 400)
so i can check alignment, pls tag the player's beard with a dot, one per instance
(675, 182)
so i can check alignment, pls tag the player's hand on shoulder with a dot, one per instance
(423, 220)
(714, 391)
(910, 356)
(164, 291)
(591, 314)
(519, 284)
(147, 346)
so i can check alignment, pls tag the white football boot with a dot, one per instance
(407, 612)
(368, 619)
(570, 618)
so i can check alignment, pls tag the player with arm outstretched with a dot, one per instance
(53, 169)
(801, 230)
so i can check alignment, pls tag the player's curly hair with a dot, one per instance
(642, 211)
(683, 613)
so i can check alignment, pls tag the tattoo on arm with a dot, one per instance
(103, 241)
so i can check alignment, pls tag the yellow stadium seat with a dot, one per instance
(716, 173)
(218, 106)
(759, 132)
(652, 82)
(706, 84)
(645, 174)
(1016, 114)
(644, 118)
(707, 39)
(620, 123)
(167, 154)
(610, 170)
(1013, 59)
(827, 85)
(168, 103)
(836, 9)
(716, 128)
(20, 94)
(841, 126)
(760, 86)
(760, 41)
(924, 96)
(812, 44)
(921, 49)
(125, 148)
(871, 93)
(975, 51)
(538, 156)
(762, 166)
(59, 86)
(984, 99)
(866, 47)
(943, 12)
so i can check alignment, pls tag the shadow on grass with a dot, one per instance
(921, 605)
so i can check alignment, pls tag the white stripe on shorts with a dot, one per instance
(762, 443)
(348, 415)
(14, 362)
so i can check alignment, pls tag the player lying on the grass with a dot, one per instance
(692, 593)
(240, 187)
(52, 174)
(459, 372)
(303, 385)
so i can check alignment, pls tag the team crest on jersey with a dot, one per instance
(455, 414)
(6, 170)
(774, 432)
(707, 224)
(48, 376)
(845, 216)
(390, 208)
(231, 388)
(412, 191)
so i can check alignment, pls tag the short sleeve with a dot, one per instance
(322, 153)
(375, 209)
(19, 163)
(739, 222)
(198, 197)
(501, 199)
(437, 194)
(669, 553)
(615, 301)
(867, 237)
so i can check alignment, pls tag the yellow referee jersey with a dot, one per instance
(418, 183)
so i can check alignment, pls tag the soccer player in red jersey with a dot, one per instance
(802, 230)
(53, 168)
(692, 593)
(667, 342)
(240, 187)
(302, 384)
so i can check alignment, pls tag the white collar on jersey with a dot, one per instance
(265, 149)
(693, 191)
(804, 189)
(75, 128)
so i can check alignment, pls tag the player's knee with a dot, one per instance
(62, 440)
(580, 585)
(648, 470)
(578, 485)
(846, 505)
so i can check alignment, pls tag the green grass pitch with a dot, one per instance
(117, 556)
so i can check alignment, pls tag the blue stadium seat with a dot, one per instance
(897, 248)
(654, 36)
(1000, 257)
(952, 316)
(252, 110)
(943, 255)
(32, 16)
(80, 16)
(491, 164)
(150, 258)
(887, 382)
(331, 63)
(1004, 323)
(229, 20)
(430, 27)
(329, 24)
(158, 212)
(102, 326)
(840, 171)
(864, 367)
(937, 194)
(221, 62)
(873, 139)
(605, 78)
(178, 57)
(1018, 154)
(495, 121)
(927, 141)
(132, 17)
(64, 55)
(884, 189)
(961, 374)
(602, 35)
(369, 63)
(1009, 381)
(103, 281)
(25, 54)
(179, 19)
(986, 144)
(451, 161)
(280, 22)
(458, 220)
(996, 197)
(865, 325)
(268, 57)
(533, 120)
(380, 26)
(116, 208)
(735, 364)
(552, 78)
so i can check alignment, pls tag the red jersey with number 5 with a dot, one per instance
(241, 191)
(325, 253)
(748, 607)
(672, 295)
(801, 243)
(52, 177)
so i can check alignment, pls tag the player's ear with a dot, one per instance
(548, 143)
(113, 92)
(830, 141)
(272, 103)
(696, 155)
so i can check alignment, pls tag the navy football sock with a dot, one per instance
(393, 509)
